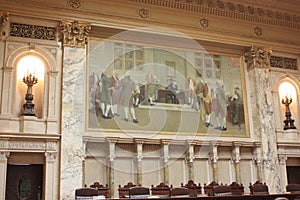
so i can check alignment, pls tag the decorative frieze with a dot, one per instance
(32, 31)
(75, 33)
(257, 57)
(285, 63)
(28, 145)
(231, 10)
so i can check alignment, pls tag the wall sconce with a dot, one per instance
(28, 106)
(287, 93)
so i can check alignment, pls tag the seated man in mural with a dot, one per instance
(152, 90)
(173, 87)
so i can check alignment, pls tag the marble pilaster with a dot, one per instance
(73, 113)
(190, 160)
(110, 164)
(258, 65)
(283, 172)
(236, 161)
(3, 171)
(139, 158)
(214, 161)
(165, 160)
(50, 192)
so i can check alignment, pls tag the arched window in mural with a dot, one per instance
(30, 66)
(288, 99)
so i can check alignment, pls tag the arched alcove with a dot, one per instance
(30, 64)
(289, 87)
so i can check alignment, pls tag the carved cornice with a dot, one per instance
(75, 33)
(231, 10)
(257, 57)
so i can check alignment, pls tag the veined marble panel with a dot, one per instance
(72, 120)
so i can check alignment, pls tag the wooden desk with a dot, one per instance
(170, 96)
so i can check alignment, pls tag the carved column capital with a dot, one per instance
(75, 33)
(50, 156)
(4, 155)
(257, 57)
(282, 160)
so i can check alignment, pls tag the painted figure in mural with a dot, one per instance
(173, 87)
(152, 89)
(198, 84)
(105, 95)
(127, 87)
(234, 106)
(190, 90)
(115, 94)
(204, 99)
(93, 83)
(221, 106)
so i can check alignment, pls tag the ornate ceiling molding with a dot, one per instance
(231, 10)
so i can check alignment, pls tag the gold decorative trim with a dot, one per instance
(257, 57)
(32, 31)
(204, 22)
(75, 33)
(231, 10)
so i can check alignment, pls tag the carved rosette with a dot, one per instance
(75, 33)
(144, 13)
(257, 57)
(50, 156)
(74, 4)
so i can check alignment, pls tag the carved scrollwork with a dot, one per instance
(75, 33)
(285, 63)
(257, 57)
(32, 31)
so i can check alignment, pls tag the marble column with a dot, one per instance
(214, 161)
(236, 161)
(3, 171)
(111, 158)
(165, 160)
(190, 160)
(72, 108)
(50, 193)
(258, 64)
(139, 158)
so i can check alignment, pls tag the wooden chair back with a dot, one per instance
(179, 192)
(161, 190)
(259, 188)
(85, 192)
(236, 189)
(222, 190)
(293, 188)
(124, 191)
(139, 192)
(209, 189)
(193, 188)
(102, 190)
